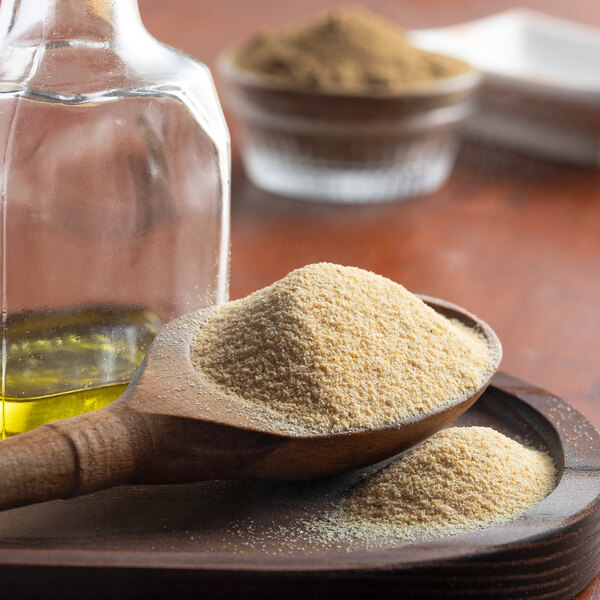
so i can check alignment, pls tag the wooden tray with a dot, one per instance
(230, 539)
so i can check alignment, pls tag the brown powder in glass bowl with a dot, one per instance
(344, 52)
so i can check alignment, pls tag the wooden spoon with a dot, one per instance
(171, 426)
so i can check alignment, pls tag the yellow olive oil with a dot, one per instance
(63, 363)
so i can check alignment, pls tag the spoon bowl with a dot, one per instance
(171, 426)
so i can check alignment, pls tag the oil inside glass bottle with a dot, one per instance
(63, 363)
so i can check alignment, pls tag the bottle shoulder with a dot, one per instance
(78, 73)
(76, 67)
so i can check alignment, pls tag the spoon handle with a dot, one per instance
(68, 458)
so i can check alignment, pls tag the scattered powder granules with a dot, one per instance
(460, 479)
(347, 51)
(336, 348)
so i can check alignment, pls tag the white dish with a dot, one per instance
(542, 81)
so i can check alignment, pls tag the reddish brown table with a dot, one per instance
(514, 239)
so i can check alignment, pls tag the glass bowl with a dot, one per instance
(348, 148)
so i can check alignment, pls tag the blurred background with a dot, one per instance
(226, 23)
(512, 237)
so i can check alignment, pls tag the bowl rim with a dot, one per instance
(466, 81)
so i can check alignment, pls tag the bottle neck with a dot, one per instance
(91, 21)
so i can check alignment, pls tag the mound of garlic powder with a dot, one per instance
(462, 478)
(334, 348)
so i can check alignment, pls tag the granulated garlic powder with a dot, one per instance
(462, 478)
(337, 348)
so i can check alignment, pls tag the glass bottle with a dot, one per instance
(114, 176)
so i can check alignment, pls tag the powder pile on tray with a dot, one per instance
(334, 348)
(346, 51)
(462, 478)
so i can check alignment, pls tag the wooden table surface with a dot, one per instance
(514, 239)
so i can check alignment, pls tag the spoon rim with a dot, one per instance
(276, 427)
